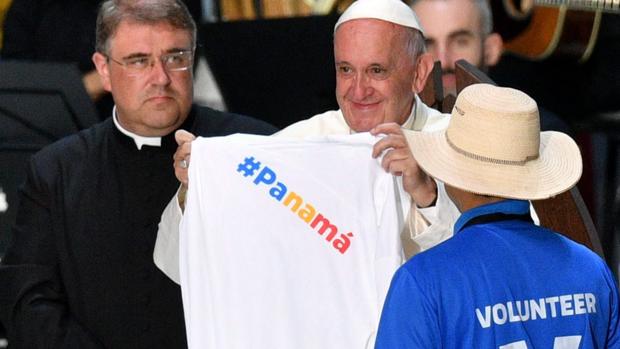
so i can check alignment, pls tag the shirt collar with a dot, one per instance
(140, 140)
(507, 207)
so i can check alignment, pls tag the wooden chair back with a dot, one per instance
(565, 213)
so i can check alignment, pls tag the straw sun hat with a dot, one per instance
(493, 146)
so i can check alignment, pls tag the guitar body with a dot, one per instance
(557, 32)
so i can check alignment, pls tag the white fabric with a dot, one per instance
(256, 274)
(394, 11)
(426, 227)
(441, 217)
(139, 140)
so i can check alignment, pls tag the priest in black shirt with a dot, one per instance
(79, 272)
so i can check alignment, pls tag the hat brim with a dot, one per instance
(557, 169)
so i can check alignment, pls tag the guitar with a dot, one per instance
(553, 28)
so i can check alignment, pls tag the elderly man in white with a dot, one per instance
(381, 65)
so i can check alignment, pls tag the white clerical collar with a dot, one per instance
(140, 140)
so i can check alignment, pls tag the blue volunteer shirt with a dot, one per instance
(502, 282)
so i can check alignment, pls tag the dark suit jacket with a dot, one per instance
(79, 272)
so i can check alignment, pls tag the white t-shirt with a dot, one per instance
(287, 243)
(424, 228)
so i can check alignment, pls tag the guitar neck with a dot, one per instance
(611, 6)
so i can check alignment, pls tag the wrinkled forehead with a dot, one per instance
(363, 36)
(368, 27)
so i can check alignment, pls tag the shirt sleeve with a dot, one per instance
(409, 318)
(34, 306)
(432, 225)
(166, 252)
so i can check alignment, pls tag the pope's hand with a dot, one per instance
(399, 161)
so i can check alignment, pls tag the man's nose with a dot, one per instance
(362, 87)
(445, 57)
(159, 74)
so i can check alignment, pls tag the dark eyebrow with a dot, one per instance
(462, 32)
(135, 55)
(178, 49)
(142, 54)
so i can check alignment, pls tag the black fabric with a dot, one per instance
(79, 272)
(497, 217)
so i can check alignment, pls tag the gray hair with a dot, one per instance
(113, 12)
(416, 44)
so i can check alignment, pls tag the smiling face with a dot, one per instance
(375, 73)
(156, 102)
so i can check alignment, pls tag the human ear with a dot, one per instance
(423, 68)
(493, 46)
(101, 64)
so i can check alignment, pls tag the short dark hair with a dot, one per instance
(113, 12)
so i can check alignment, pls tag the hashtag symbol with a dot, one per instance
(248, 166)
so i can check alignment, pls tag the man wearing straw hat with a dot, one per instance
(380, 67)
(501, 281)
